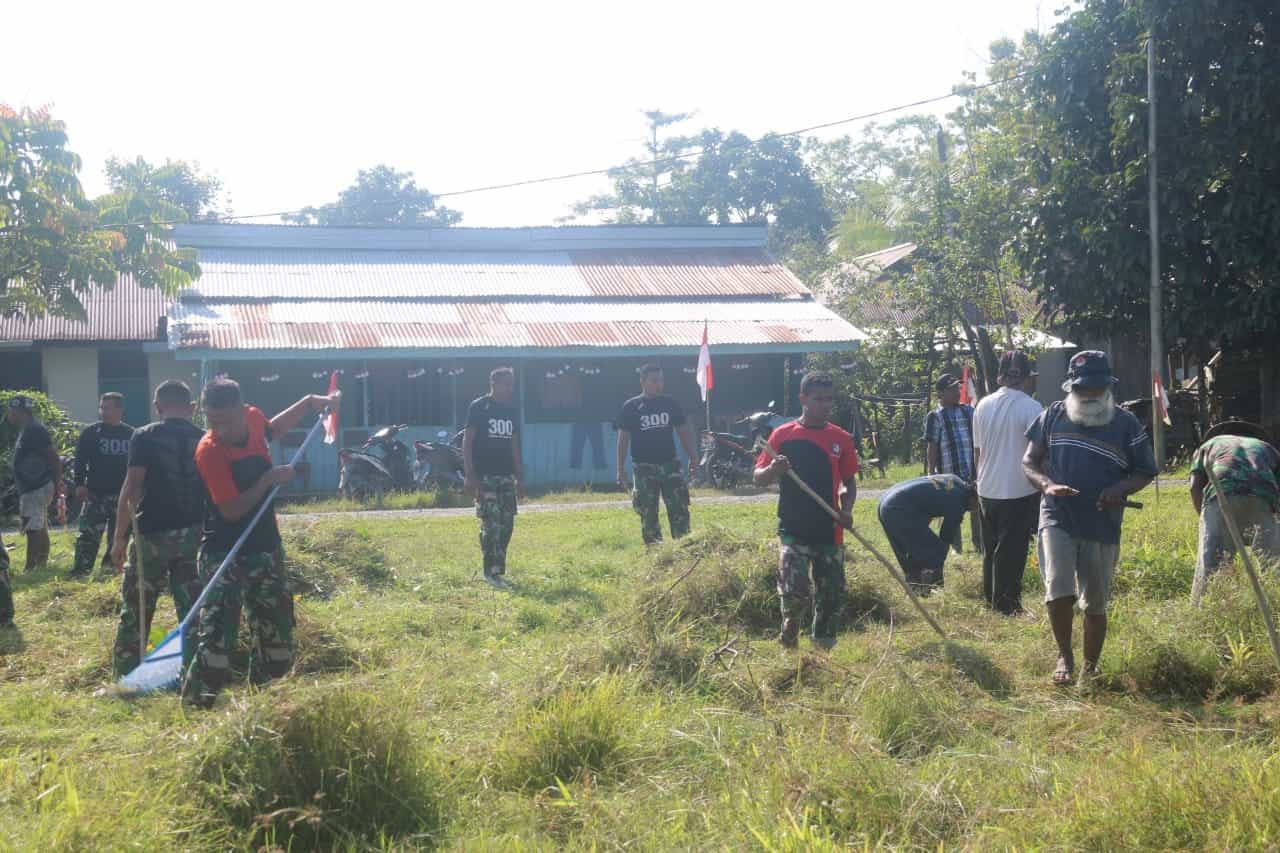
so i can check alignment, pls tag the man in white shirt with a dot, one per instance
(1009, 503)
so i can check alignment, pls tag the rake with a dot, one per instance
(162, 669)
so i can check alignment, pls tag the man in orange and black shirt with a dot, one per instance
(823, 456)
(234, 460)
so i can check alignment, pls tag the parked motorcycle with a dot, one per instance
(368, 474)
(439, 463)
(728, 459)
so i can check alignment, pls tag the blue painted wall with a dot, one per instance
(555, 454)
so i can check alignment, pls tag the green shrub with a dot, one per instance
(333, 769)
(65, 431)
(576, 731)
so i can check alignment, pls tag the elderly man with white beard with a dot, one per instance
(1086, 456)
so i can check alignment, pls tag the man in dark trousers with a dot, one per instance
(647, 426)
(234, 460)
(163, 486)
(494, 469)
(1086, 455)
(811, 556)
(6, 591)
(948, 435)
(102, 455)
(37, 471)
(1010, 504)
(906, 511)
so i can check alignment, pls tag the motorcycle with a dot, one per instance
(439, 463)
(365, 474)
(728, 459)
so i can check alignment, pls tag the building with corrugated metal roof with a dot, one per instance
(416, 318)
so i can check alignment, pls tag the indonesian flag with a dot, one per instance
(706, 376)
(968, 391)
(1161, 398)
(331, 421)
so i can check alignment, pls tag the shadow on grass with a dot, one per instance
(971, 663)
(559, 594)
(11, 641)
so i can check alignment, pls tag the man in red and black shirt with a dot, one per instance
(823, 456)
(234, 460)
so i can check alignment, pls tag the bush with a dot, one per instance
(337, 769)
(576, 731)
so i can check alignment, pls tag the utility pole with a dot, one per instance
(1153, 206)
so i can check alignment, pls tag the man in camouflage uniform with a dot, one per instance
(234, 460)
(164, 487)
(102, 455)
(811, 556)
(647, 426)
(494, 470)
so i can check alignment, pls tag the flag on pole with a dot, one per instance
(331, 421)
(1161, 398)
(706, 376)
(968, 391)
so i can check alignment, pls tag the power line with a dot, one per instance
(675, 158)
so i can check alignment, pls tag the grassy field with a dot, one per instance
(617, 698)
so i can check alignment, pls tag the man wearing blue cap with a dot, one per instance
(1086, 456)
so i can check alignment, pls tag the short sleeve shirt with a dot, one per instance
(1000, 425)
(497, 427)
(1246, 467)
(173, 495)
(229, 470)
(1089, 459)
(31, 467)
(651, 423)
(952, 430)
(824, 458)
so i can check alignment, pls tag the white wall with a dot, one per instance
(162, 366)
(71, 377)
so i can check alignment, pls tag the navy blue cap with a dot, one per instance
(1089, 369)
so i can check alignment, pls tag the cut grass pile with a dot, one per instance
(619, 697)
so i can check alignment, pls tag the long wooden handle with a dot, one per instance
(1247, 557)
(862, 540)
(138, 576)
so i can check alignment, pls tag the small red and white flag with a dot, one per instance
(331, 420)
(706, 376)
(968, 391)
(1161, 398)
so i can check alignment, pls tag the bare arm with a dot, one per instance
(289, 419)
(1198, 481)
(244, 503)
(685, 433)
(769, 474)
(850, 495)
(624, 446)
(55, 462)
(933, 457)
(1033, 466)
(468, 449)
(130, 497)
(517, 462)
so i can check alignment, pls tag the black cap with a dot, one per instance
(1015, 366)
(1089, 369)
(945, 381)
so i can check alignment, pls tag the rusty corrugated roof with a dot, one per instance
(127, 312)
(327, 325)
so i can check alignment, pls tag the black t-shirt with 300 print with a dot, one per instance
(173, 495)
(652, 423)
(496, 426)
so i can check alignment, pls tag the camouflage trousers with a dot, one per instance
(496, 508)
(797, 563)
(6, 591)
(166, 558)
(97, 516)
(257, 583)
(663, 481)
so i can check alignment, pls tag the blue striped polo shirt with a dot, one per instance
(1089, 459)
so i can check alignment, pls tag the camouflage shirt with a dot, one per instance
(1246, 467)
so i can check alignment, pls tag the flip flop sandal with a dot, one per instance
(1063, 676)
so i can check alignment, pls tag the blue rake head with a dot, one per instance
(160, 670)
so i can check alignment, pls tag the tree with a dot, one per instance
(380, 196)
(640, 185)
(55, 244)
(177, 182)
(1085, 210)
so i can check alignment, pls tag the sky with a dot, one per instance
(285, 102)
